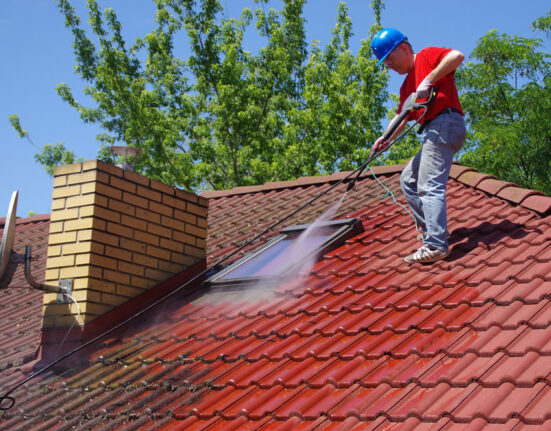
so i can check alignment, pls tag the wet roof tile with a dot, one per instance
(364, 342)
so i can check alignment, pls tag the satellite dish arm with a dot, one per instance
(33, 283)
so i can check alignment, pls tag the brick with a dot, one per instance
(115, 276)
(85, 177)
(74, 272)
(172, 245)
(100, 286)
(118, 253)
(148, 261)
(201, 201)
(80, 201)
(121, 207)
(196, 231)
(185, 217)
(83, 259)
(84, 235)
(87, 188)
(108, 215)
(148, 215)
(171, 267)
(104, 262)
(130, 268)
(201, 243)
(173, 224)
(50, 298)
(86, 295)
(110, 169)
(136, 178)
(183, 259)
(158, 230)
(58, 204)
(135, 200)
(64, 215)
(131, 245)
(67, 169)
(158, 252)
(86, 211)
(160, 209)
(108, 191)
(89, 165)
(84, 223)
(184, 238)
(193, 251)
(56, 227)
(134, 222)
(61, 238)
(122, 184)
(54, 250)
(157, 185)
(128, 291)
(56, 310)
(83, 247)
(187, 196)
(94, 309)
(146, 237)
(51, 274)
(112, 300)
(155, 274)
(60, 181)
(147, 193)
(120, 230)
(141, 283)
(63, 192)
(174, 203)
(202, 222)
(197, 210)
(105, 238)
(61, 261)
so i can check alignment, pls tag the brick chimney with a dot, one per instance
(114, 234)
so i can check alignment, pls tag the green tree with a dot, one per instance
(506, 93)
(50, 155)
(224, 116)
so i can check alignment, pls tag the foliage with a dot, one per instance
(507, 98)
(50, 155)
(223, 116)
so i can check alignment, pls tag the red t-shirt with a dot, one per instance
(426, 61)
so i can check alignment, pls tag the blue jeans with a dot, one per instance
(424, 178)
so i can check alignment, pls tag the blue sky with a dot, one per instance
(37, 54)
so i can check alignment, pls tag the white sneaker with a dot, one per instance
(422, 236)
(426, 255)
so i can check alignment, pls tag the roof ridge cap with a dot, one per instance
(528, 198)
(300, 182)
(24, 220)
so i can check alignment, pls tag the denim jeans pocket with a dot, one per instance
(447, 129)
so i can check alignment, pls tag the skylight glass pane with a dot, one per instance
(275, 260)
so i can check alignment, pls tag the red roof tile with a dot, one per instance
(20, 305)
(365, 342)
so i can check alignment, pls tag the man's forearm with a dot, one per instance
(449, 63)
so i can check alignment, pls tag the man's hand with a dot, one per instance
(423, 91)
(379, 146)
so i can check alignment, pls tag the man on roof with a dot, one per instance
(424, 178)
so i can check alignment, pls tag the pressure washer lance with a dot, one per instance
(410, 105)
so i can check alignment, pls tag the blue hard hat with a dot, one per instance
(385, 41)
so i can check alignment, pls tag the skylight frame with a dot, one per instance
(345, 229)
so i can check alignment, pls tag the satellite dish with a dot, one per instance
(9, 258)
(8, 237)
